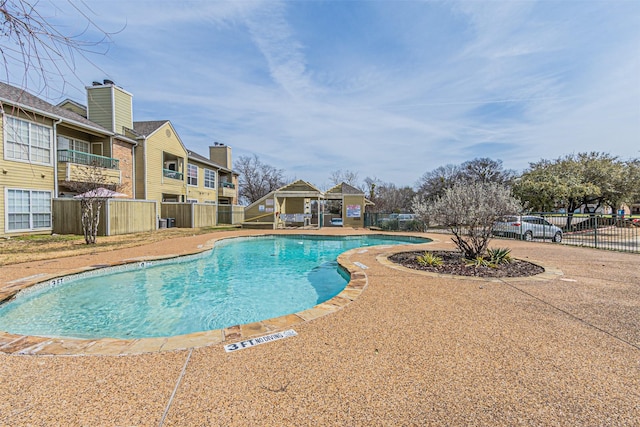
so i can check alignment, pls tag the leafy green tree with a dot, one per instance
(576, 180)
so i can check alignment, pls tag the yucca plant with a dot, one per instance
(499, 255)
(428, 258)
(479, 261)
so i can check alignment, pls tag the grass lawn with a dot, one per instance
(27, 248)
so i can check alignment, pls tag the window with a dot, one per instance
(209, 178)
(192, 174)
(27, 141)
(65, 143)
(28, 210)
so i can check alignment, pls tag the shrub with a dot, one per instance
(469, 211)
(390, 225)
(414, 225)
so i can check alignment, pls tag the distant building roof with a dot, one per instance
(147, 128)
(203, 159)
(344, 188)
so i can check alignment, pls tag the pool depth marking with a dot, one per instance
(259, 340)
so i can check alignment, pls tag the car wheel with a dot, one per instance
(557, 238)
(528, 236)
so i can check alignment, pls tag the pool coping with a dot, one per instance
(37, 345)
(29, 345)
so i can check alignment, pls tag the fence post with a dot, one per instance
(595, 231)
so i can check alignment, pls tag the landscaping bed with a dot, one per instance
(454, 263)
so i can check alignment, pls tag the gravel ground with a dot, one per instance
(414, 349)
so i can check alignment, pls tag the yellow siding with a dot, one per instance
(199, 192)
(75, 108)
(21, 175)
(99, 106)
(158, 144)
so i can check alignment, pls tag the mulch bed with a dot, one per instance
(454, 263)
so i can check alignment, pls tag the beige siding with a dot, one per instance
(82, 173)
(99, 105)
(353, 200)
(253, 213)
(123, 110)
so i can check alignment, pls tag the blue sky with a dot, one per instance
(388, 89)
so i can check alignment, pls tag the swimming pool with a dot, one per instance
(242, 280)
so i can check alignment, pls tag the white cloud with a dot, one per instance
(388, 89)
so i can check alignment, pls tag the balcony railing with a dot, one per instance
(227, 185)
(82, 158)
(168, 173)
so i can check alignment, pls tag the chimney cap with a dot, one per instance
(95, 83)
(108, 82)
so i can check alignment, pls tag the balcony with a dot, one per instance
(77, 166)
(87, 159)
(168, 173)
(227, 189)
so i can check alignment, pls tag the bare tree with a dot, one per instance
(42, 50)
(257, 179)
(469, 211)
(339, 176)
(434, 183)
(390, 198)
(94, 188)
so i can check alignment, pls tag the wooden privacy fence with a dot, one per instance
(117, 216)
(189, 215)
(230, 214)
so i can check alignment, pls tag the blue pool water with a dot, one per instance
(241, 280)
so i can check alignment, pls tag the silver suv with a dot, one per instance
(527, 228)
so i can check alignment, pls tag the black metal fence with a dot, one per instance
(611, 232)
(393, 222)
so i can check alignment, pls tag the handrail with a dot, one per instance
(88, 159)
(258, 217)
(172, 174)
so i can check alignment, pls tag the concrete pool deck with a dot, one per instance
(411, 349)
